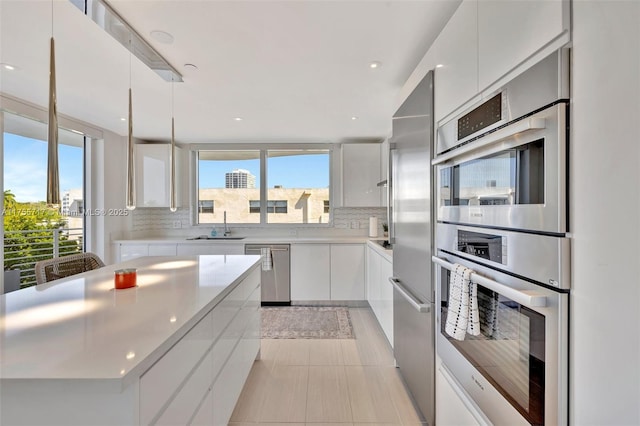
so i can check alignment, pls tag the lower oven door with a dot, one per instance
(515, 370)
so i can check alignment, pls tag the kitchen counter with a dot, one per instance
(248, 240)
(79, 331)
(387, 253)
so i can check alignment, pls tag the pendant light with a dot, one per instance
(172, 158)
(130, 201)
(53, 178)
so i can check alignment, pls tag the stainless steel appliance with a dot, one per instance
(276, 279)
(503, 163)
(502, 211)
(411, 237)
(516, 370)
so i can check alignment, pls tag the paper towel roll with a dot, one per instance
(373, 226)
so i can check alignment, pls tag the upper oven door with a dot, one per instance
(512, 178)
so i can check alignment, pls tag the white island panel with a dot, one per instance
(73, 350)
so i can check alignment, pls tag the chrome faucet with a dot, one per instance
(227, 231)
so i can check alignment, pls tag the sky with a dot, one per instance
(297, 171)
(25, 167)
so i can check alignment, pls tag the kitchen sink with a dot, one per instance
(206, 237)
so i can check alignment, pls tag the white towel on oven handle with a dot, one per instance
(267, 259)
(459, 319)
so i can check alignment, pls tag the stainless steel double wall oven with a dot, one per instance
(502, 210)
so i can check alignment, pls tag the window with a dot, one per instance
(231, 178)
(295, 187)
(34, 231)
(298, 178)
(205, 206)
(273, 206)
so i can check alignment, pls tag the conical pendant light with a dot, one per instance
(172, 159)
(53, 178)
(131, 182)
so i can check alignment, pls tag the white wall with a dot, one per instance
(605, 214)
(106, 183)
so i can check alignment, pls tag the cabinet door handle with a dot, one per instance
(420, 307)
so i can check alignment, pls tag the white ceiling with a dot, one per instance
(293, 70)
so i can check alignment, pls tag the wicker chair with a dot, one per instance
(60, 267)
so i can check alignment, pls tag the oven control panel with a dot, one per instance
(485, 246)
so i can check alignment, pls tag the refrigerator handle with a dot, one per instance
(420, 307)
(392, 234)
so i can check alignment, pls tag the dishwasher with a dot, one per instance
(275, 267)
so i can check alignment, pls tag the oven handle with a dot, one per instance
(529, 299)
(532, 123)
(420, 307)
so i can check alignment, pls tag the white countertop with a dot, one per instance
(387, 253)
(81, 328)
(250, 240)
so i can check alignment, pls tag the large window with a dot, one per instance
(34, 231)
(295, 188)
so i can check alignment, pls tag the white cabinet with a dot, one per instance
(132, 251)
(327, 272)
(385, 316)
(509, 32)
(162, 249)
(209, 248)
(456, 53)
(361, 172)
(347, 272)
(310, 272)
(153, 170)
(380, 291)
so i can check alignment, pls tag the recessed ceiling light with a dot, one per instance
(238, 118)
(190, 67)
(123, 119)
(354, 118)
(375, 64)
(8, 66)
(161, 36)
(439, 66)
(131, 355)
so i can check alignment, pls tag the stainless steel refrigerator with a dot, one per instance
(411, 232)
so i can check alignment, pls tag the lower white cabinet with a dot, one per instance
(199, 380)
(380, 290)
(209, 248)
(327, 272)
(347, 272)
(310, 272)
(128, 251)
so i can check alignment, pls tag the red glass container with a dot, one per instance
(125, 278)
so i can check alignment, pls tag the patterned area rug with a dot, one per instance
(306, 322)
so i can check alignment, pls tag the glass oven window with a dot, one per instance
(514, 176)
(510, 350)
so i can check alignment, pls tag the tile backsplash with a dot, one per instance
(346, 220)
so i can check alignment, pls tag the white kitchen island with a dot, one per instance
(175, 350)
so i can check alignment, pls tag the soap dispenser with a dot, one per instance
(214, 233)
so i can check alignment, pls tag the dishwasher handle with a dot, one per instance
(257, 251)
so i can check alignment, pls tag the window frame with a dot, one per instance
(264, 148)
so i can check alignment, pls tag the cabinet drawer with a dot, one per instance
(185, 404)
(162, 249)
(159, 383)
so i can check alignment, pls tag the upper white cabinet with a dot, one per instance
(509, 32)
(456, 53)
(361, 172)
(153, 170)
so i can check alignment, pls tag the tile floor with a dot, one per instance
(326, 381)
